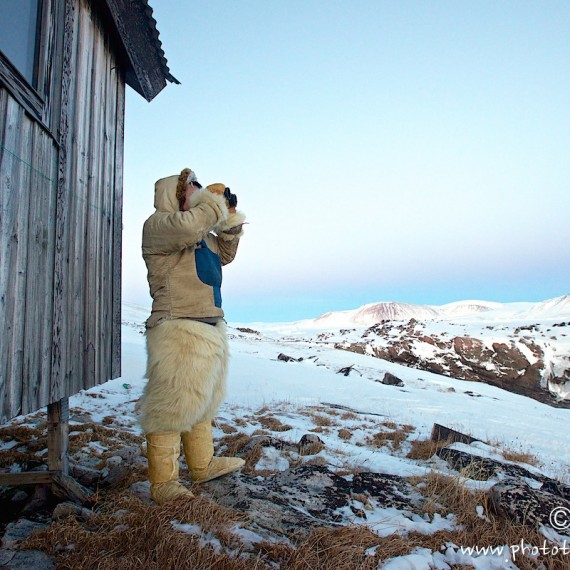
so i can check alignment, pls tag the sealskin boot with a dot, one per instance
(163, 451)
(199, 453)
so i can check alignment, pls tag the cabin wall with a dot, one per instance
(28, 176)
(61, 223)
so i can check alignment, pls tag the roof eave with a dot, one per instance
(148, 72)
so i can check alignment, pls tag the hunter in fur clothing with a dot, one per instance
(192, 234)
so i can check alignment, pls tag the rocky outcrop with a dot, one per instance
(526, 497)
(514, 363)
(301, 499)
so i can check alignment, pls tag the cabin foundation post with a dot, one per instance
(57, 475)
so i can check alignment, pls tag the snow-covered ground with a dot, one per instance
(257, 378)
(308, 388)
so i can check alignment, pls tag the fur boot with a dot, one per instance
(199, 453)
(163, 452)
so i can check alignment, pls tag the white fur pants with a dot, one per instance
(186, 370)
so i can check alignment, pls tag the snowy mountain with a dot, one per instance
(376, 312)
(558, 308)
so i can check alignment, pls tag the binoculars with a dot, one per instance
(231, 198)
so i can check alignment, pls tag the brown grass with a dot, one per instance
(129, 534)
(10, 456)
(126, 533)
(323, 421)
(227, 428)
(392, 438)
(345, 434)
(520, 457)
(349, 416)
(272, 423)
(233, 443)
(425, 448)
(21, 433)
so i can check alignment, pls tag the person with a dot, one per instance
(193, 232)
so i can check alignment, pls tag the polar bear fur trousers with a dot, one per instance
(186, 371)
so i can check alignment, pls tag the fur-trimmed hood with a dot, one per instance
(165, 194)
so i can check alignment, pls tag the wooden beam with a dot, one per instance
(58, 436)
(65, 487)
(442, 433)
(27, 478)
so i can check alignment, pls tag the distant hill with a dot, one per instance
(367, 315)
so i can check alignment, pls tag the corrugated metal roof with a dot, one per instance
(146, 68)
(158, 44)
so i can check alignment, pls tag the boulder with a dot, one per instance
(391, 380)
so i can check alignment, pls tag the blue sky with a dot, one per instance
(413, 151)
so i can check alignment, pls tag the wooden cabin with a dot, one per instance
(64, 65)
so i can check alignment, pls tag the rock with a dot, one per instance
(300, 499)
(503, 364)
(14, 560)
(141, 490)
(286, 358)
(116, 472)
(63, 510)
(516, 500)
(524, 496)
(17, 531)
(129, 453)
(85, 475)
(483, 468)
(391, 380)
(310, 444)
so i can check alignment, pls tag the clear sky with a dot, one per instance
(405, 150)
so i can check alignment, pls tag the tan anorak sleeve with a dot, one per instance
(229, 234)
(169, 232)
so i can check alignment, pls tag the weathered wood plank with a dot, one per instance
(60, 352)
(27, 478)
(68, 488)
(443, 433)
(58, 435)
(118, 228)
(13, 247)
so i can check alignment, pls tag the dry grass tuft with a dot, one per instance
(233, 443)
(273, 424)
(21, 433)
(10, 456)
(425, 448)
(345, 434)
(349, 416)
(335, 549)
(520, 457)
(227, 428)
(323, 421)
(392, 438)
